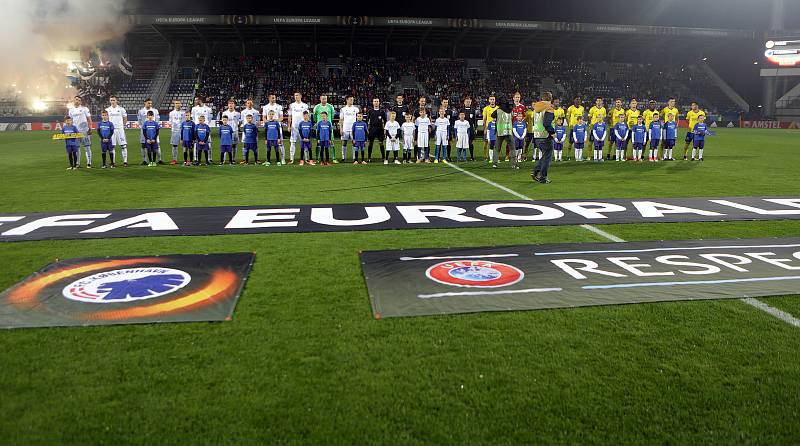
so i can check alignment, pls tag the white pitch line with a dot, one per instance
(786, 317)
(488, 293)
(458, 257)
(782, 315)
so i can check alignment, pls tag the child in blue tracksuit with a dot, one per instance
(71, 143)
(187, 137)
(579, 137)
(274, 134)
(150, 130)
(250, 139)
(105, 130)
(655, 132)
(225, 141)
(599, 136)
(359, 132)
(621, 137)
(559, 138)
(699, 139)
(520, 130)
(202, 135)
(639, 138)
(306, 129)
(491, 129)
(670, 135)
(324, 130)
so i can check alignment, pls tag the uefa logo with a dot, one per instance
(126, 285)
(474, 274)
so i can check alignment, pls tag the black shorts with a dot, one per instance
(689, 137)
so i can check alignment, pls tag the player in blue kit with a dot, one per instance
(360, 131)
(150, 130)
(324, 129)
(559, 137)
(655, 133)
(639, 138)
(621, 132)
(71, 143)
(274, 135)
(202, 135)
(599, 137)
(306, 130)
(670, 135)
(226, 133)
(187, 137)
(105, 130)
(699, 137)
(250, 138)
(578, 137)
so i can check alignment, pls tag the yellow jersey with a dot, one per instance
(666, 111)
(631, 115)
(615, 114)
(487, 114)
(648, 117)
(692, 116)
(529, 119)
(572, 114)
(558, 113)
(597, 114)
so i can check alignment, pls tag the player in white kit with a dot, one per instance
(392, 129)
(201, 109)
(461, 128)
(119, 117)
(175, 120)
(234, 120)
(408, 129)
(142, 115)
(82, 119)
(347, 117)
(296, 110)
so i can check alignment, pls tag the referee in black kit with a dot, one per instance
(471, 114)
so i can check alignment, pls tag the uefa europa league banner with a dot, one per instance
(420, 282)
(127, 290)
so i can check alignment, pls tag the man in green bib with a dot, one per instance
(503, 120)
(543, 117)
(323, 106)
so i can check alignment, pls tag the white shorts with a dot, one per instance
(347, 135)
(408, 144)
(422, 140)
(392, 145)
(175, 138)
(118, 138)
(235, 138)
(441, 139)
(295, 135)
(462, 141)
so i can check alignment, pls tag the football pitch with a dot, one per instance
(304, 361)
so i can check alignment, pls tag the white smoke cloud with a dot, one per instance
(39, 37)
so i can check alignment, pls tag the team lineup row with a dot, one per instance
(191, 130)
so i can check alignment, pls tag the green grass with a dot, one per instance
(303, 361)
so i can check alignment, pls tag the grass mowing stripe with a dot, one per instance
(786, 317)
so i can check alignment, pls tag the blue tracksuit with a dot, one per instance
(324, 133)
(599, 133)
(104, 130)
(225, 138)
(639, 136)
(492, 129)
(699, 132)
(150, 132)
(670, 133)
(579, 135)
(655, 133)
(70, 143)
(621, 135)
(559, 137)
(359, 132)
(202, 134)
(187, 134)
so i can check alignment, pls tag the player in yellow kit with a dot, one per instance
(648, 114)
(615, 113)
(692, 116)
(597, 113)
(669, 109)
(487, 118)
(631, 118)
(573, 112)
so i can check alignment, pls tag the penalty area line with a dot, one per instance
(755, 303)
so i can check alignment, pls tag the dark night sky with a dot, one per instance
(745, 14)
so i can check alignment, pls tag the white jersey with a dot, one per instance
(234, 118)
(249, 112)
(201, 110)
(276, 109)
(296, 110)
(347, 116)
(442, 126)
(423, 126)
(80, 117)
(462, 127)
(408, 132)
(392, 128)
(117, 115)
(176, 117)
